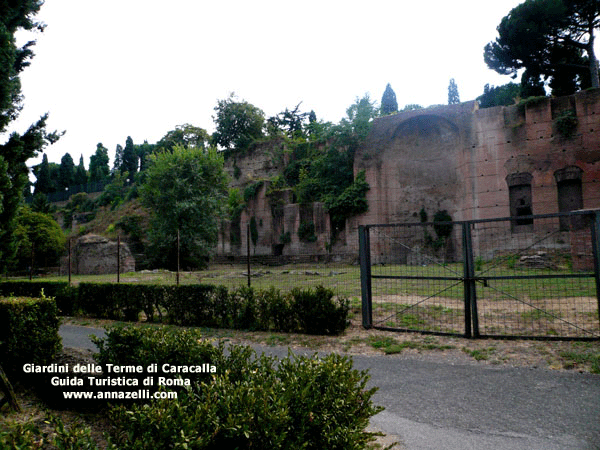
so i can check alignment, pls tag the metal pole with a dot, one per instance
(595, 231)
(69, 259)
(468, 275)
(32, 256)
(364, 248)
(248, 250)
(177, 275)
(119, 259)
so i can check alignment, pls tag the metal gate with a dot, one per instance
(529, 276)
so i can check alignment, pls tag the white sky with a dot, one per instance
(109, 69)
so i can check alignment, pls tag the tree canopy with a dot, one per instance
(19, 147)
(238, 123)
(186, 190)
(552, 40)
(389, 104)
(453, 96)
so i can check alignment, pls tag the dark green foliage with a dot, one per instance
(64, 294)
(80, 177)
(389, 104)
(251, 191)
(352, 201)
(499, 95)
(318, 312)
(306, 232)
(28, 332)
(550, 39)
(43, 183)
(237, 124)
(186, 190)
(186, 135)
(154, 345)
(442, 224)
(130, 159)
(99, 169)
(251, 402)
(66, 172)
(453, 96)
(566, 124)
(41, 234)
(305, 311)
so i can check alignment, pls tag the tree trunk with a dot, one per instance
(592, 56)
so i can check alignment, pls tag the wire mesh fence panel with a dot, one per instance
(536, 278)
(416, 277)
(531, 276)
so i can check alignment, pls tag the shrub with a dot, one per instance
(252, 402)
(28, 331)
(64, 294)
(318, 312)
(110, 301)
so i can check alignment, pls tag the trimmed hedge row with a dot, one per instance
(301, 310)
(250, 402)
(64, 294)
(306, 311)
(28, 332)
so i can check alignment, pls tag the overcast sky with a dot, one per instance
(109, 69)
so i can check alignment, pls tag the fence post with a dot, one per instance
(178, 249)
(69, 261)
(118, 258)
(364, 248)
(595, 231)
(248, 250)
(470, 296)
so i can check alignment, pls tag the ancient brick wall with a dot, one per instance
(474, 163)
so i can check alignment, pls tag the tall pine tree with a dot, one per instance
(389, 104)
(453, 97)
(130, 159)
(43, 184)
(18, 148)
(80, 173)
(99, 169)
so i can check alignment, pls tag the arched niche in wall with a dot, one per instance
(570, 194)
(520, 201)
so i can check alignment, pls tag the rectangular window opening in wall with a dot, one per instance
(521, 208)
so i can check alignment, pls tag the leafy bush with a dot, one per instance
(28, 331)
(64, 294)
(252, 402)
(566, 124)
(318, 312)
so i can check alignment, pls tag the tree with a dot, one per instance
(453, 97)
(499, 95)
(292, 122)
(38, 233)
(118, 159)
(548, 38)
(99, 169)
(18, 148)
(80, 173)
(130, 159)
(389, 105)
(186, 135)
(66, 174)
(238, 124)
(43, 184)
(186, 190)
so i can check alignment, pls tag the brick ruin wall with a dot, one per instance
(458, 158)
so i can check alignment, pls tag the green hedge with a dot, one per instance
(302, 310)
(250, 402)
(28, 332)
(64, 294)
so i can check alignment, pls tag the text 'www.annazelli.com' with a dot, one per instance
(120, 395)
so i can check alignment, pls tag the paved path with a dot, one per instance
(442, 405)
